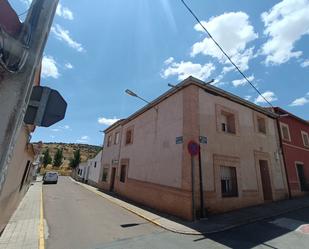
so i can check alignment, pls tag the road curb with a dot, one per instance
(134, 211)
(41, 225)
(226, 228)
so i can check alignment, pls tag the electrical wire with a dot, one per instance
(227, 56)
(22, 13)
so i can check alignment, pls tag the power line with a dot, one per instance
(23, 12)
(227, 56)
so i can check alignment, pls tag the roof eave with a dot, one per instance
(186, 82)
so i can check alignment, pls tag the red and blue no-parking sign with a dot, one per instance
(193, 148)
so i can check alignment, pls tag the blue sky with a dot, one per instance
(99, 48)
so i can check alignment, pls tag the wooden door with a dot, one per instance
(266, 183)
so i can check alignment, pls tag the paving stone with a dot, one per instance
(22, 231)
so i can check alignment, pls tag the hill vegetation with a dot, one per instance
(86, 150)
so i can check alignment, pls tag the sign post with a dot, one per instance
(193, 149)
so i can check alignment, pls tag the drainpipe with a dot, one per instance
(193, 188)
(201, 182)
(283, 156)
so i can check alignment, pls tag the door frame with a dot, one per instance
(295, 164)
(268, 176)
(259, 155)
(112, 180)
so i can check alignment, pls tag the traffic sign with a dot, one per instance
(179, 140)
(203, 139)
(193, 148)
(46, 107)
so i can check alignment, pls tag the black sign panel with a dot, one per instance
(46, 107)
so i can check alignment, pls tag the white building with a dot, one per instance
(82, 171)
(94, 168)
(89, 171)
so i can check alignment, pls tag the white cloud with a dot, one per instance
(55, 129)
(185, 69)
(107, 121)
(270, 96)
(26, 2)
(83, 139)
(68, 65)
(248, 97)
(233, 32)
(61, 11)
(300, 101)
(305, 63)
(169, 61)
(66, 127)
(64, 12)
(242, 82)
(49, 67)
(285, 23)
(64, 35)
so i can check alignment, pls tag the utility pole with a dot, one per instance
(16, 82)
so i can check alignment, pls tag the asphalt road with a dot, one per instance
(79, 219)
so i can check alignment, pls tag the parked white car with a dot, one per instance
(50, 177)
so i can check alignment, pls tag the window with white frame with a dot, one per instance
(305, 137)
(285, 132)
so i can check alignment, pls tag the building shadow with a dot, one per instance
(248, 232)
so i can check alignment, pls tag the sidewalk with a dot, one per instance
(215, 223)
(22, 231)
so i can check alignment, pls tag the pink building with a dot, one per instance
(145, 156)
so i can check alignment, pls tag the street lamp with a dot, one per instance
(171, 85)
(133, 94)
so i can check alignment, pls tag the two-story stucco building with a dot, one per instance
(295, 144)
(145, 156)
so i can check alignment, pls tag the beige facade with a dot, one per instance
(20, 170)
(241, 163)
(18, 177)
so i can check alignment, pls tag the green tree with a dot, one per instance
(75, 160)
(58, 158)
(46, 158)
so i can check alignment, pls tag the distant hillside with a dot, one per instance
(86, 150)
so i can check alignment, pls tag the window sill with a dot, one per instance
(229, 133)
(262, 133)
(230, 196)
(285, 140)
